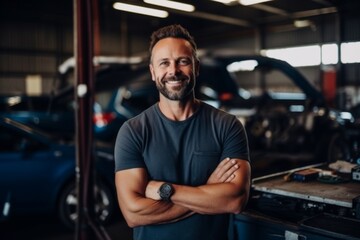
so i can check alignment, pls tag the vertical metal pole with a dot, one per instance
(96, 24)
(87, 226)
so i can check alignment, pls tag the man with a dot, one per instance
(182, 166)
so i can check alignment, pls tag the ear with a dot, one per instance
(152, 72)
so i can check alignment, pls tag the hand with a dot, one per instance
(152, 190)
(224, 172)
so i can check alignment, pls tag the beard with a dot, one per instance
(176, 93)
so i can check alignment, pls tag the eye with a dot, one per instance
(184, 61)
(163, 63)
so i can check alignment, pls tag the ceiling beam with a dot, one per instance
(314, 12)
(323, 2)
(217, 18)
(270, 9)
(282, 14)
(301, 14)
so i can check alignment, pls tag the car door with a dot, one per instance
(25, 167)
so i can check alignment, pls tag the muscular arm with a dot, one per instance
(221, 197)
(139, 209)
(227, 197)
(136, 208)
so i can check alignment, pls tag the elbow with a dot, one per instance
(238, 205)
(132, 221)
(132, 224)
(131, 216)
(238, 210)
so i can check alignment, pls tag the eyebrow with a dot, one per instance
(181, 57)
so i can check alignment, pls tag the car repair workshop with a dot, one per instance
(180, 119)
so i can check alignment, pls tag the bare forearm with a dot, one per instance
(228, 195)
(145, 211)
(225, 191)
(221, 197)
(211, 198)
(136, 207)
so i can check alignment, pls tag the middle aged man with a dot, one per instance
(182, 166)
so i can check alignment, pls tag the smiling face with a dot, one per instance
(174, 68)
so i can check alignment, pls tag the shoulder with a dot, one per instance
(220, 119)
(143, 118)
(136, 125)
(217, 113)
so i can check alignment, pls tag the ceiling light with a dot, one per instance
(227, 2)
(251, 2)
(302, 23)
(140, 10)
(172, 4)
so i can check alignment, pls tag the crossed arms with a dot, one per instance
(226, 191)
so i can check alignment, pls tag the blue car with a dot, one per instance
(121, 91)
(37, 175)
(289, 123)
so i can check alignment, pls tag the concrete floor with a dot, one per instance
(47, 228)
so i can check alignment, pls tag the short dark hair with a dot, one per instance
(172, 31)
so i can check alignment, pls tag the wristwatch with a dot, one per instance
(165, 191)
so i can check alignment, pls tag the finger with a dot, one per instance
(221, 165)
(221, 173)
(229, 173)
(223, 170)
(230, 178)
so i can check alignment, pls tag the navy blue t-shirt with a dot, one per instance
(181, 152)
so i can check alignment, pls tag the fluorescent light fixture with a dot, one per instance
(302, 23)
(172, 4)
(251, 2)
(227, 2)
(140, 10)
(329, 54)
(350, 52)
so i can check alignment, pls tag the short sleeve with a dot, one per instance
(127, 152)
(235, 143)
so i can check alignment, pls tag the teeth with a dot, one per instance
(173, 81)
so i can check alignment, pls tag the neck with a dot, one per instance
(178, 110)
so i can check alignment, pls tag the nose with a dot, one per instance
(173, 69)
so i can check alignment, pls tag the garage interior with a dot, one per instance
(37, 43)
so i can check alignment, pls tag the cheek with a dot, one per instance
(189, 71)
(159, 75)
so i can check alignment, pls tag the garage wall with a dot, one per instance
(37, 48)
(29, 49)
(324, 30)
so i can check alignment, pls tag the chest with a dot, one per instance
(186, 153)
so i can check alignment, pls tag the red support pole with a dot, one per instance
(87, 226)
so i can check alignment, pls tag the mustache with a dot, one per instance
(176, 78)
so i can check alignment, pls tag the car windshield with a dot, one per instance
(254, 80)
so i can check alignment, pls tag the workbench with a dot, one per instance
(291, 210)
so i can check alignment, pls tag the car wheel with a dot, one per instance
(67, 208)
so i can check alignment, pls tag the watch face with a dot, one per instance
(165, 191)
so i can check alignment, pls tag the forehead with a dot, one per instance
(171, 47)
